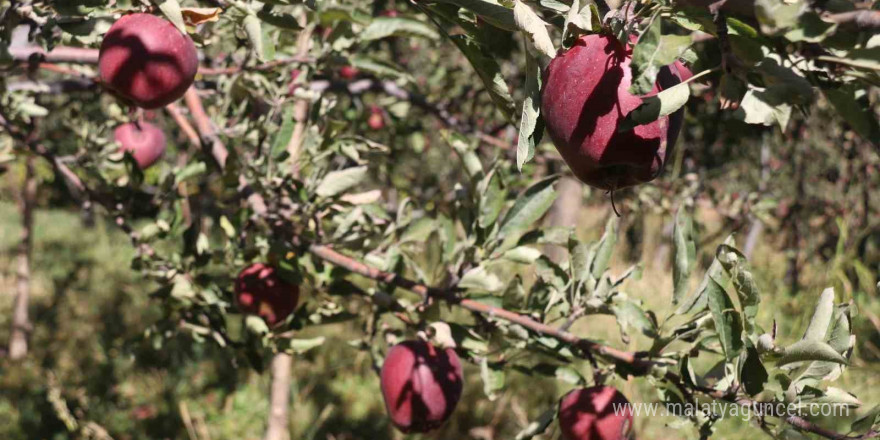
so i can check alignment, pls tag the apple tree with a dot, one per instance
(285, 164)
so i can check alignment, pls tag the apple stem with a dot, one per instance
(613, 205)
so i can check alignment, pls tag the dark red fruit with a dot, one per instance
(596, 413)
(145, 59)
(421, 385)
(145, 141)
(585, 99)
(259, 290)
(348, 72)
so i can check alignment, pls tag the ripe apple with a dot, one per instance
(421, 385)
(584, 100)
(145, 141)
(145, 59)
(595, 413)
(259, 290)
(348, 72)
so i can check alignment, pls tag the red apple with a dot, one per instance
(145, 141)
(421, 385)
(259, 290)
(376, 121)
(584, 100)
(145, 59)
(348, 72)
(596, 413)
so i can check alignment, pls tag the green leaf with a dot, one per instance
(867, 421)
(529, 207)
(282, 20)
(855, 114)
(492, 198)
(254, 30)
(810, 350)
(522, 254)
(493, 378)
(480, 279)
(191, 170)
(531, 127)
(655, 107)
(534, 28)
(685, 248)
(538, 426)
(735, 264)
(300, 346)
(630, 315)
(579, 20)
(285, 132)
(728, 322)
(753, 375)
(605, 248)
(579, 262)
(171, 10)
(384, 27)
(776, 16)
(821, 319)
(652, 52)
(490, 10)
(337, 182)
(764, 107)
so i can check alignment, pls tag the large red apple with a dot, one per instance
(145, 59)
(259, 290)
(584, 100)
(596, 413)
(421, 385)
(145, 141)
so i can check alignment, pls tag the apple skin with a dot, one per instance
(145, 141)
(259, 290)
(421, 385)
(146, 60)
(584, 100)
(589, 414)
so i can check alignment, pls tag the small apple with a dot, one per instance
(259, 290)
(586, 98)
(348, 72)
(376, 121)
(146, 60)
(145, 141)
(595, 413)
(421, 385)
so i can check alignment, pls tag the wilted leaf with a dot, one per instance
(531, 126)
(197, 16)
(808, 350)
(728, 322)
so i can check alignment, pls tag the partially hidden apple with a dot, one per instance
(260, 290)
(145, 141)
(421, 385)
(584, 100)
(146, 60)
(595, 413)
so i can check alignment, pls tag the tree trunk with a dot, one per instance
(18, 340)
(564, 212)
(279, 399)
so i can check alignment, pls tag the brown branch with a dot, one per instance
(863, 20)
(79, 55)
(209, 139)
(329, 255)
